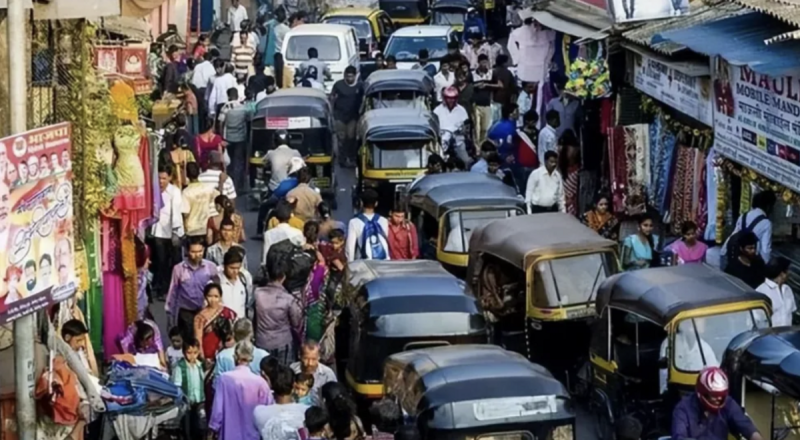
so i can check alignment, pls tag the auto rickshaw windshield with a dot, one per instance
(701, 342)
(399, 155)
(571, 280)
(449, 16)
(458, 226)
(403, 99)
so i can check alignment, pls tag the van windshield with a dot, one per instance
(327, 47)
(361, 25)
(571, 280)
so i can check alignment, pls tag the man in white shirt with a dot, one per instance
(236, 15)
(355, 248)
(212, 176)
(283, 419)
(545, 190)
(236, 283)
(279, 158)
(446, 76)
(781, 295)
(167, 234)
(202, 77)
(283, 212)
(757, 221)
(452, 116)
(219, 91)
(547, 137)
(689, 355)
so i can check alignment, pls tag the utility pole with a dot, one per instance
(24, 326)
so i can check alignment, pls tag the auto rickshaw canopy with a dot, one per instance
(770, 355)
(294, 102)
(398, 124)
(360, 272)
(429, 182)
(454, 4)
(398, 81)
(460, 386)
(521, 240)
(443, 198)
(660, 294)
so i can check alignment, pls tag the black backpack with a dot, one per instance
(732, 248)
(299, 266)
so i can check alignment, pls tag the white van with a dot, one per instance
(336, 44)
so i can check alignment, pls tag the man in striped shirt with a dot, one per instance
(243, 56)
(214, 177)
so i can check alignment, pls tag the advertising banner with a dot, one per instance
(623, 11)
(757, 121)
(36, 237)
(690, 95)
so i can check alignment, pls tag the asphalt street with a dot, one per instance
(346, 179)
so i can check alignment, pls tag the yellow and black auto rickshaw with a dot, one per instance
(537, 276)
(305, 114)
(405, 12)
(479, 392)
(657, 329)
(398, 89)
(447, 208)
(395, 146)
(396, 306)
(763, 368)
(373, 27)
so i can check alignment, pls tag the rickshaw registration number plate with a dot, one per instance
(298, 123)
(504, 408)
(584, 312)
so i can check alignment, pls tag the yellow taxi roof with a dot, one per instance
(362, 12)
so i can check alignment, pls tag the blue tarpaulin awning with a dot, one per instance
(741, 41)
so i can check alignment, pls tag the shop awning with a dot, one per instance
(574, 18)
(139, 8)
(784, 10)
(129, 27)
(740, 40)
(690, 68)
(698, 15)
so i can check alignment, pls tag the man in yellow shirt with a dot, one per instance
(197, 197)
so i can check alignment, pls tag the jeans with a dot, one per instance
(238, 154)
(263, 211)
(346, 136)
(165, 257)
(186, 323)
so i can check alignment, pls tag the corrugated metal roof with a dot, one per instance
(701, 14)
(784, 10)
(577, 12)
(740, 40)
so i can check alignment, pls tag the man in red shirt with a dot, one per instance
(403, 244)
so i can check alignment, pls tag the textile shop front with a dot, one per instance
(756, 121)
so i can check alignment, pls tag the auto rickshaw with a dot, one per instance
(398, 89)
(451, 13)
(305, 113)
(537, 275)
(657, 328)
(373, 27)
(763, 368)
(479, 392)
(396, 144)
(396, 306)
(405, 12)
(446, 214)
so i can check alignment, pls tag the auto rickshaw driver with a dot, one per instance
(709, 413)
(689, 354)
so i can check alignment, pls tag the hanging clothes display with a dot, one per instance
(662, 148)
(114, 322)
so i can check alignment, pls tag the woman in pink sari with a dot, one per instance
(688, 249)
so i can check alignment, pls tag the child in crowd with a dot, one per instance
(175, 350)
(188, 374)
(333, 252)
(303, 383)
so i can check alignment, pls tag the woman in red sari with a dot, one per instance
(206, 322)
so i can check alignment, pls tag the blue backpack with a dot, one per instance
(372, 233)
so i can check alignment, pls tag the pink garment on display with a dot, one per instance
(532, 51)
(113, 313)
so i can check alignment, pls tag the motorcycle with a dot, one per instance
(457, 143)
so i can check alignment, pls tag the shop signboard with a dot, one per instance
(624, 11)
(690, 95)
(757, 121)
(36, 237)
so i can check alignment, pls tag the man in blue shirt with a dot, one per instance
(504, 134)
(710, 414)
